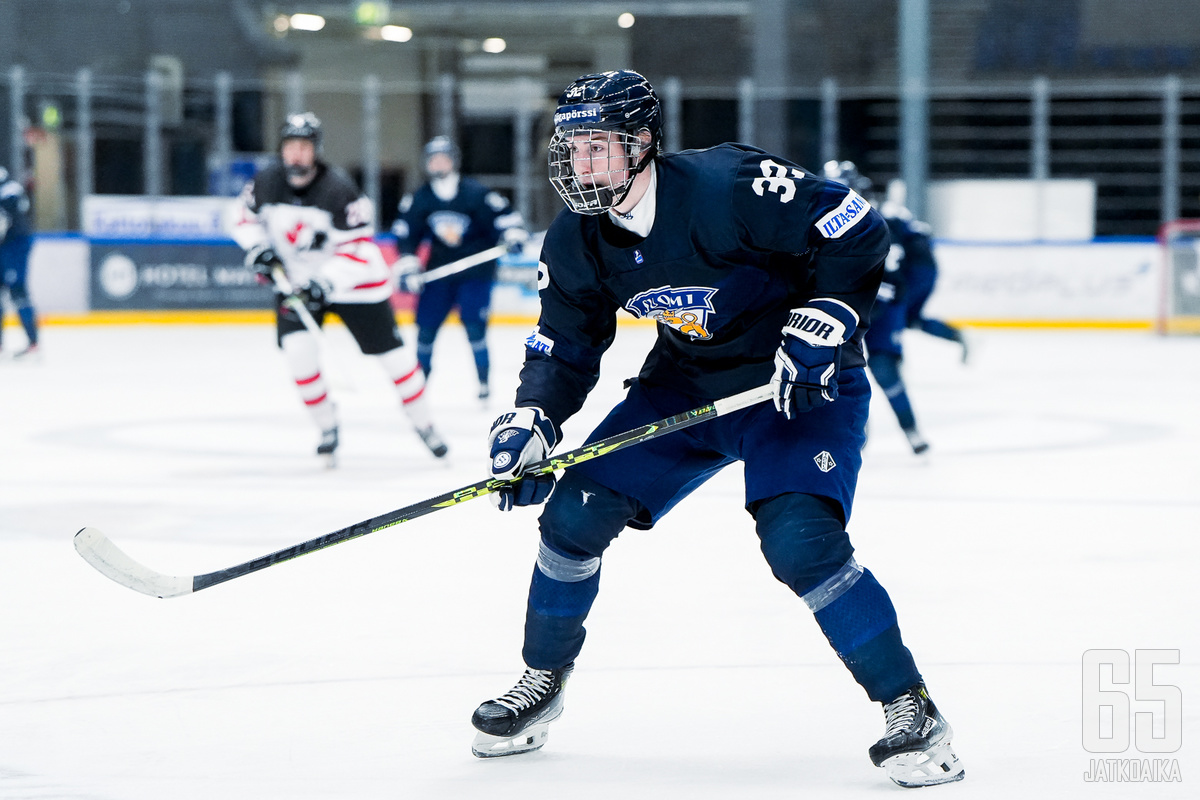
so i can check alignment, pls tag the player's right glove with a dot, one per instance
(261, 259)
(408, 270)
(514, 239)
(519, 438)
(315, 294)
(807, 361)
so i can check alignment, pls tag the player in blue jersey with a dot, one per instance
(16, 242)
(454, 217)
(758, 273)
(885, 348)
(915, 237)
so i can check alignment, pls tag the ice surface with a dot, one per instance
(1059, 512)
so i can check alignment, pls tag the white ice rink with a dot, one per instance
(1059, 512)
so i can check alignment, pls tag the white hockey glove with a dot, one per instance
(519, 438)
(514, 239)
(409, 272)
(807, 362)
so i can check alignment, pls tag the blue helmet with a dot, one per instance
(617, 106)
(443, 145)
(847, 174)
(621, 100)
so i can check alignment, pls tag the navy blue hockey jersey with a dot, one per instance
(470, 222)
(14, 213)
(740, 237)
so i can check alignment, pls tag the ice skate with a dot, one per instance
(484, 392)
(327, 449)
(916, 441)
(30, 355)
(519, 721)
(915, 748)
(433, 441)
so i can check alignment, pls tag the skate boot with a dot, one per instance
(433, 441)
(327, 449)
(915, 748)
(30, 355)
(484, 391)
(519, 721)
(916, 441)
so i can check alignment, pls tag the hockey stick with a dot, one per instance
(455, 267)
(99, 551)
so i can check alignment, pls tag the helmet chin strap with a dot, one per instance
(633, 173)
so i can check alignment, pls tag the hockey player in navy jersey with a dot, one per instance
(454, 217)
(757, 273)
(309, 218)
(16, 242)
(915, 238)
(884, 339)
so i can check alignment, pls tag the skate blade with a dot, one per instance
(329, 460)
(938, 764)
(488, 746)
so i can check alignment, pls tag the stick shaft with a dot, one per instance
(108, 559)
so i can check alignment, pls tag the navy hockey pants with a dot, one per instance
(802, 537)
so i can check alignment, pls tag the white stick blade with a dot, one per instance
(110, 561)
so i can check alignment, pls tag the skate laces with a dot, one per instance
(533, 686)
(900, 713)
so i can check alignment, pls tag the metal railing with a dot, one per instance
(1139, 140)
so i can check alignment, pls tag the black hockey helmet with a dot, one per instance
(621, 100)
(440, 145)
(302, 126)
(847, 174)
(621, 103)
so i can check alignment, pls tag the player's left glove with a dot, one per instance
(514, 239)
(807, 362)
(409, 272)
(519, 438)
(315, 294)
(261, 259)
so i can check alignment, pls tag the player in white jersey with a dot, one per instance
(308, 218)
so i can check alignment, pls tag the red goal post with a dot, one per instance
(1179, 288)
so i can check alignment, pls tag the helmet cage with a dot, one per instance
(610, 177)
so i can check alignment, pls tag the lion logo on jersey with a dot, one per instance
(449, 226)
(684, 309)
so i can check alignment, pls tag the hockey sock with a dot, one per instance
(300, 350)
(936, 327)
(560, 596)
(425, 339)
(862, 628)
(29, 322)
(480, 351)
(886, 369)
(404, 371)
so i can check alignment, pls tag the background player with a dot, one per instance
(453, 217)
(309, 217)
(885, 348)
(757, 272)
(16, 242)
(919, 267)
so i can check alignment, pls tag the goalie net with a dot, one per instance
(1179, 295)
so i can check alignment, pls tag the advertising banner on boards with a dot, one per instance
(128, 274)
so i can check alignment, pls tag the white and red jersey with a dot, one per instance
(324, 230)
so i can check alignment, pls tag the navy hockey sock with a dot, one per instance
(560, 596)
(886, 369)
(935, 327)
(861, 625)
(28, 322)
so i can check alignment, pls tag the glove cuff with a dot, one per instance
(824, 322)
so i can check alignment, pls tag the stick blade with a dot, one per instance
(110, 561)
